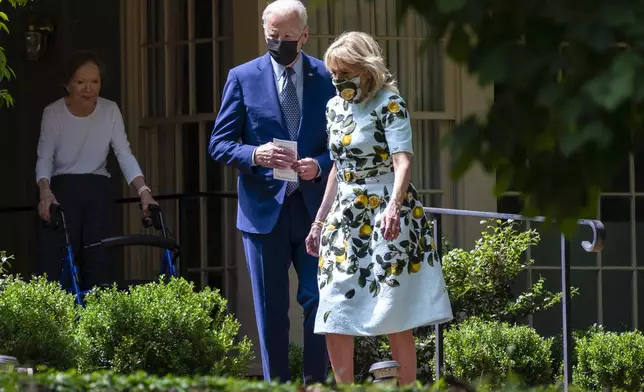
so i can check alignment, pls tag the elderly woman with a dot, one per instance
(378, 271)
(75, 137)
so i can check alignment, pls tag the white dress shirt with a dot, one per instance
(280, 83)
(297, 78)
(79, 145)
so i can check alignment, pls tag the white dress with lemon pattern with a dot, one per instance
(370, 286)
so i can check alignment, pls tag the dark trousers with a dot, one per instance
(88, 205)
(269, 257)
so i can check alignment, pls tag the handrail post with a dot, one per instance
(438, 338)
(565, 309)
(183, 271)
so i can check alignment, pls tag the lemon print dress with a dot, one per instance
(370, 286)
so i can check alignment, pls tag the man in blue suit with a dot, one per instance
(282, 95)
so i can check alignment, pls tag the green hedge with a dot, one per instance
(161, 327)
(477, 348)
(37, 321)
(609, 359)
(142, 382)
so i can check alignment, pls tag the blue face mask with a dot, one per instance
(348, 89)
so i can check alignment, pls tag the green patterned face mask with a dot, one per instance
(348, 89)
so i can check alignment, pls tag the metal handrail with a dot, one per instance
(596, 245)
(171, 196)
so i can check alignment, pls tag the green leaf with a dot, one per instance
(616, 84)
(349, 129)
(376, 291)
(449, 6)
(392, 282)
(502, 184)
(458, 46)
(596, 131)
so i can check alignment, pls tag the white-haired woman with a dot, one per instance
(378, 271)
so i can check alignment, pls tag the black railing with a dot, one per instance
(596, 245)
(130, 200)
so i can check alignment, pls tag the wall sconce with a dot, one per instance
(36, 36)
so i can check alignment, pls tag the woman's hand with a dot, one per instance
(146, 200)
(390, 224)
(313, 240)
(46, 200)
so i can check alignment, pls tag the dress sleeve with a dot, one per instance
(121, 146)
(46, 146)
(395, 120)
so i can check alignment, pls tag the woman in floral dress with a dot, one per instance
(379, 273)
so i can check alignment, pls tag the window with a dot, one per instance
(611, 283)
(180, 54)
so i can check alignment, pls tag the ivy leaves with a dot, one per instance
(6, 73)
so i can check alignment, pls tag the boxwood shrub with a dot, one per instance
(142, 382)
(161, 328)
(610, 360)
(496, 350)
(37, 320)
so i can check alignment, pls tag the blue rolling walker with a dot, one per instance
(69, 273)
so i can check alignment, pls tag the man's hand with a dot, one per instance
(274, 157)
(306, 168)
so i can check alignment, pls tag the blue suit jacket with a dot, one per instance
(250, 116)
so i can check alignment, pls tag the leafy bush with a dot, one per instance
(480, 281)
(495, 350)
(369, 350)
(480, 284)
(295, 361)
(109, 382)
(161, 328)
(4, 262)
(37, 320)
(609, 359)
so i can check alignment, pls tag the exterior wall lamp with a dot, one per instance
(38, 31)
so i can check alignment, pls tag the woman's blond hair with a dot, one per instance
(359, 50)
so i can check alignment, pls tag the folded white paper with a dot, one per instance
(286, 174)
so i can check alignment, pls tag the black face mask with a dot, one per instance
(284, 52)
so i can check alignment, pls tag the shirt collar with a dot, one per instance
(278, 69)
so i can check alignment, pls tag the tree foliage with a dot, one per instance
(6, 73)
(569, 94)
